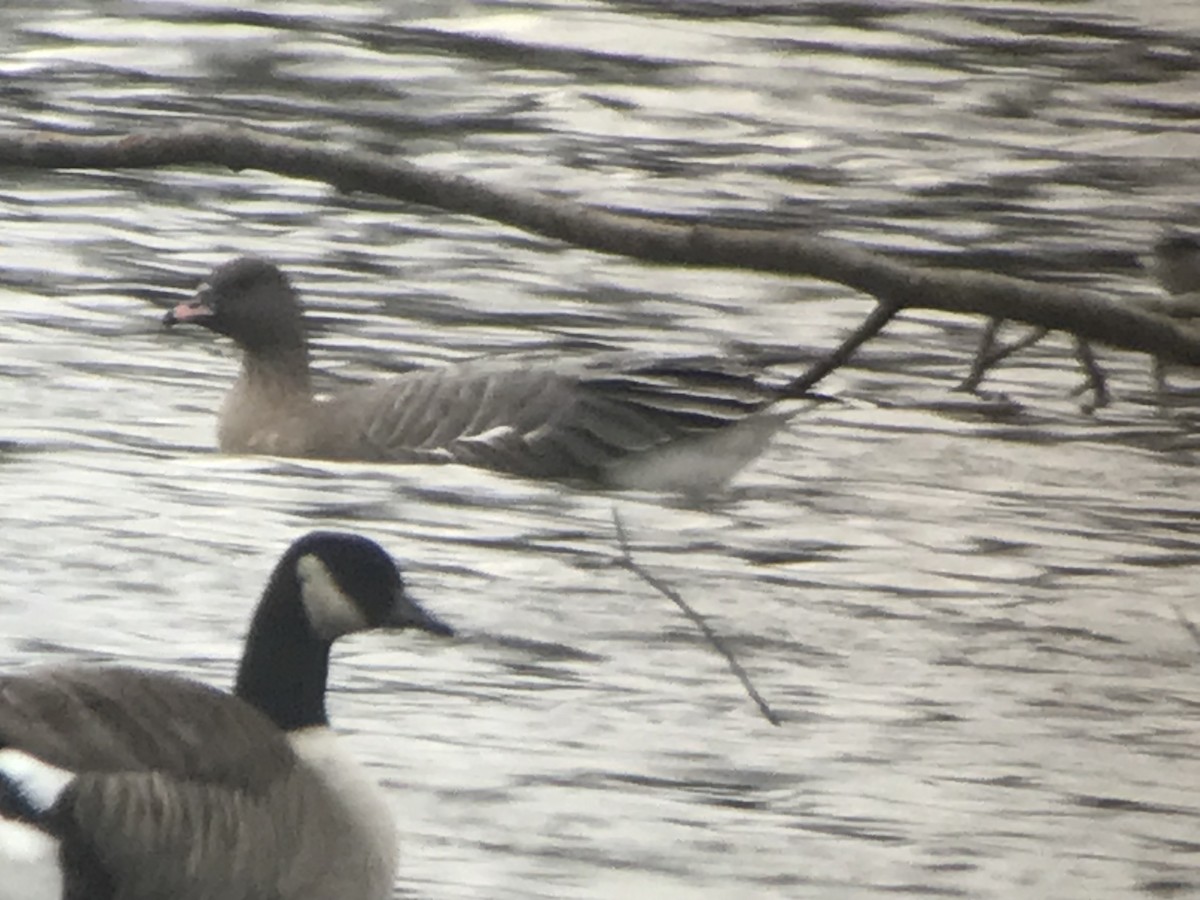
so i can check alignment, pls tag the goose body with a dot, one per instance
(123, 784)
(614, 419)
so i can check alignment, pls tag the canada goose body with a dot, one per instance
(123, 784)
(614, 419)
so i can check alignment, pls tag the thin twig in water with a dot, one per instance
(1096, 382)
(980, 365)
(628, 562)
(991, 353)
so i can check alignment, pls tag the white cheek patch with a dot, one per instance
(330, 612)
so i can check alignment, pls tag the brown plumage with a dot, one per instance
(613, 419)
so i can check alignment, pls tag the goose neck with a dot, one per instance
(277, 372)
(284, 665)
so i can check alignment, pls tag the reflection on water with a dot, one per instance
(964, 612)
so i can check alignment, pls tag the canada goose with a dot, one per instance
(616, 420)
(123, 784)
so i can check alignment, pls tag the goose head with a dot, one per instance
(347, 583)
(327, 585)
(251, 301)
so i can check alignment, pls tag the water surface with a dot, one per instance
(964, 612)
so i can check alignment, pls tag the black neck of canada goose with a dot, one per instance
(285, 665)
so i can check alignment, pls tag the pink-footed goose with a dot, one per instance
(138, 785)
(615, 420)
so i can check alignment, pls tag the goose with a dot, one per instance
(118, 783)
(615, 420)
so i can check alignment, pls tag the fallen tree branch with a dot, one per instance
(627, 561)
(1086, 314)
(840, 355)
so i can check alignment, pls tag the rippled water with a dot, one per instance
(964, 612)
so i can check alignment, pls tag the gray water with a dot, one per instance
(964, 612)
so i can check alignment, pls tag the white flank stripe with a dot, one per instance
(497, 433)
(39, 782)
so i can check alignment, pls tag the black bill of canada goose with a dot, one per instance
(124, 784)
(615, 420)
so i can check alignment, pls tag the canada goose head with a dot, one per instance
(348, 583)
(251, 301)
(327, 585)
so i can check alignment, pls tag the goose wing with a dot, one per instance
(549, 417)
(150, 835)
(179, 789)
(96, 719)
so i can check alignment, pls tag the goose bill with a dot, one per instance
(194, 310)
(407, 613)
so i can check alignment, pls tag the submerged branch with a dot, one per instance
(840, 355)
(627, 561)
(1096, 381)
(1086, 314)
(989, 354)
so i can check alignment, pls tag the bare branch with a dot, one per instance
(1086, 314)
(988, 354)
(840, 355)
(985, 357)
(1097, 381)
(627, 561)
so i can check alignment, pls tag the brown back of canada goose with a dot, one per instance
(609, 419)
(122, 783)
